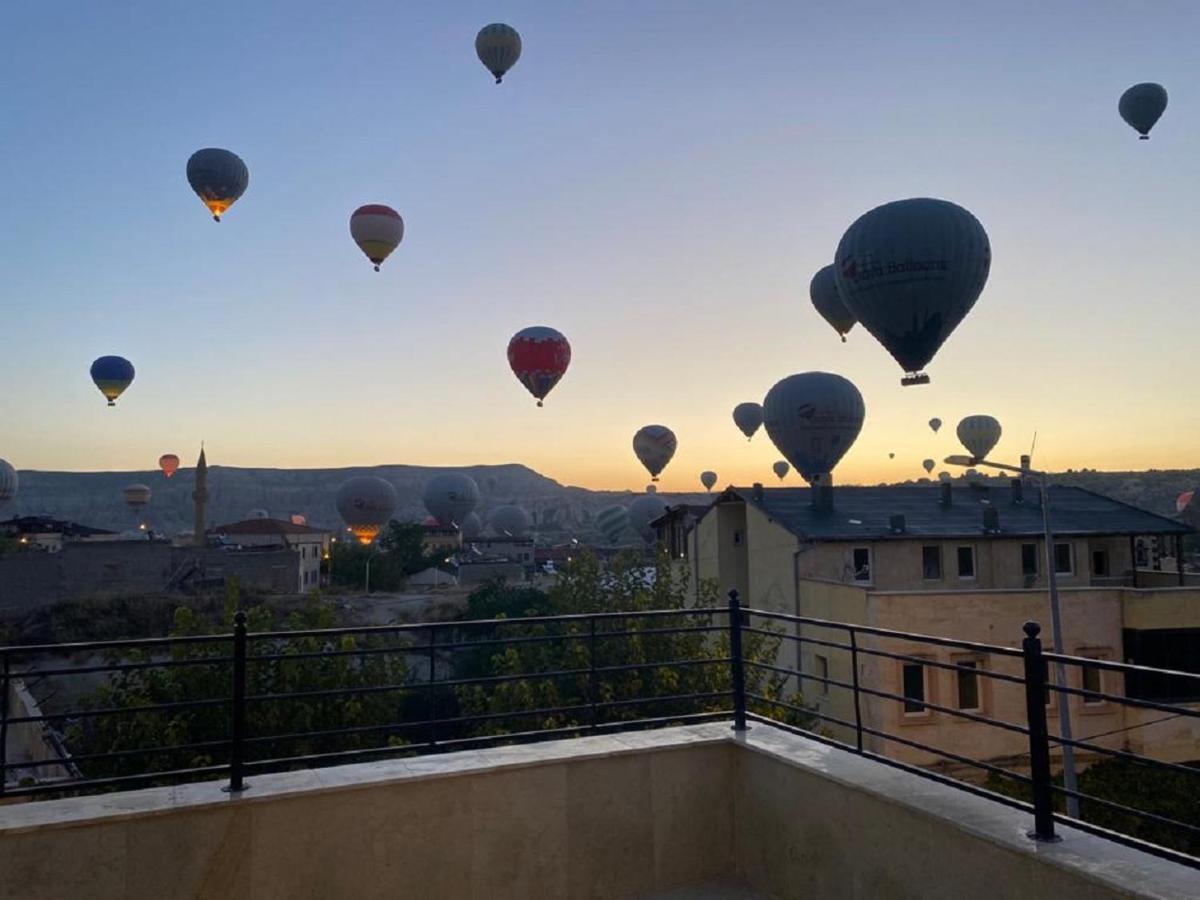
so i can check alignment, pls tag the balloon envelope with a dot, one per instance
(510, 521)
(910, 271)
(747, 417)
(780, 469)
(928, 465)
(451, 496)
(1182, 502)
(979, 434)
(365, 504)
(136, 496)
(654, 446)
(378, 230)
(644, 510)
(498, 47)
(169, 463)
(8, 482)
(813, 418)
(218, 177)
(934, 424)
(539, 357)
(471, 526)
(1142, 105)
(823, 292)
(612, 522)
(112, 374)
(708, 479)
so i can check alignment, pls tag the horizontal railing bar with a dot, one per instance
(1111, 665)
(824, 717)
(1121, 700)
(1126, 755)
(121, 710)
(73, 786)
(965, 760)
(1128, 840)
(125, 667)
(117, 754)
(18, 650)
(1173, 824)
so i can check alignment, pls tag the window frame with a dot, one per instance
(1037, 565)
(924, 713)
(1101, 553)
(977, 662)
(870, 577)
(941, 571)
(974, 562)
(1087, 703)
(1070, 570)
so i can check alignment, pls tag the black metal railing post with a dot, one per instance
(3, 719)
(1039, 741)
(592, 681)
(237, 726)
(858, 732)
(431, 706)
(737, 664)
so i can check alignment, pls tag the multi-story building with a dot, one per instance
(963, 562)
(311, 545)
(44, 533)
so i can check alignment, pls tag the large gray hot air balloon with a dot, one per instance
(1142, 105)
(823, 292)
(471, 526)
(219, 178)
(8, 482)
(708, 479)
(644, 510)
(747, 417)
(498, 47)
(510, 521)
(451, 497)
(654, 446)
(910, 271)
(979, 434)
(612, 522)
(780, 469)
(365, 504)
(813, 419)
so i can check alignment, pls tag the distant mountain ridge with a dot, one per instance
(559, 511)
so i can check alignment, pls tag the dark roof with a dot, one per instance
(265, 526)
(681, 511)
(46, 525)
(865, 512)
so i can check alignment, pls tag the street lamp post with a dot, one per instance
(1064, 712)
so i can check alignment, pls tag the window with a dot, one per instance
(1100, 563)
(967, 677)
(823, 672)
(737, 538)
(1063, 559)
(1092, 680)
(966, 562)
(931, 563)
(1029, 559)
(914, 689)
(862, 564)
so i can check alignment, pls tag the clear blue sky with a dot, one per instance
(658, 180)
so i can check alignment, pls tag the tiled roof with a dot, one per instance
(265, 526)
(865, 512)
(46, 525)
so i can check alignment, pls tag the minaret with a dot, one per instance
(200, 495)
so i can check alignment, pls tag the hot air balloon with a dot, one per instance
(112, 374)
(910, 271)
(169, 463)
(471, 526)
(8, 482)
(654, 445)
(928, 465)
(510, 521)
(644, 510)
(498, 47)
(747, 417)
(813, 418)
(218, 177)
(934, 424)
(979, 434)
(708, 479)
(612, 522)
(136, 496)
(378, 230)
(781, 469)
(891, 456)
(1141, 106)
(539, 357)
(451, 496)
(824, 294)
(298, 519)
(1182, 502)
(365, 503)
(651, 489)
(258, 513)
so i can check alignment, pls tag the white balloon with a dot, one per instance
(979, 434)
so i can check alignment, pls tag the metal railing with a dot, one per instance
(426, 674)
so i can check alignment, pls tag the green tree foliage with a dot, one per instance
(1173, 795)
(396, 554)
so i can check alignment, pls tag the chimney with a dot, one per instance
(822, 493)
(1018, 492)
(947, 493)
(897, 524)
(991, 520)
(1026, 462)
(758, 490)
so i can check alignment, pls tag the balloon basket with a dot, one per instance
(1144, 137)
(914, 378)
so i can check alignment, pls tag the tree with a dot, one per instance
(396, 554)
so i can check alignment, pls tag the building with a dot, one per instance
(963, 562)
(44, 533)
(311, 545)
(439, 538)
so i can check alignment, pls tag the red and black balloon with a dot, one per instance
(539, 357)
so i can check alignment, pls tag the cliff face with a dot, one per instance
(94, 498)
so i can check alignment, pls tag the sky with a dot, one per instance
(657, 180)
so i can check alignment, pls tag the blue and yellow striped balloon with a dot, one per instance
(112, 374)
